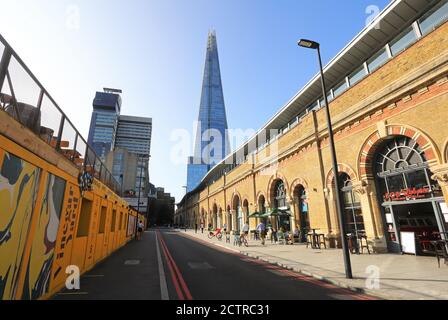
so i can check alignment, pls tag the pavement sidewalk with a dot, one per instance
(387, 276)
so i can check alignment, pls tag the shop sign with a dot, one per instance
(408, 194)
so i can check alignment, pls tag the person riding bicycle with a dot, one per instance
(245, 232)
(216, 232)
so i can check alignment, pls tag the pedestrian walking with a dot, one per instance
(195, 228)
(246, 229)
(202, 227)
(261, 229)
(274, 238)
(140, 227)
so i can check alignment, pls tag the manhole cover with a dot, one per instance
(131, 262)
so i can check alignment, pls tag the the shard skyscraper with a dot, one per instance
(212, 141)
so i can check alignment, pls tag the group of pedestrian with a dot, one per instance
(260, 233)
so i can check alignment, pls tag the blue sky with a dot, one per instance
(154, 51)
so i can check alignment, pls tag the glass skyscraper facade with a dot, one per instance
(104, 122)
(212, 141)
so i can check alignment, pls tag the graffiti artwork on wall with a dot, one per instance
(66, 238)
(37, 281)
(18, 189)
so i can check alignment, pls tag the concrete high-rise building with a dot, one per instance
(104, 121)
(212, 141)
(123, 142)
(134, 134)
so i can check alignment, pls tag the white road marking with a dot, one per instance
(163, 285)
(132, 262)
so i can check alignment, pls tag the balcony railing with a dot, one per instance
(26, 100)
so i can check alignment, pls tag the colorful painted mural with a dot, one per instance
(18, 190)
(38, 273)
(67, 232)
(40, 208)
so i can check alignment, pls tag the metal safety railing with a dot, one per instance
(24, 98)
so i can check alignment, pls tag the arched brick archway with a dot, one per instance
(220, 218)
(203, 216)
(271, 186)
(341, 168)
(296, 183)
(214, 216)
(228, 218)
(259, 195)
(246, 209)
(374, 141)
(445, 153)
(261, 201)
(232, 199)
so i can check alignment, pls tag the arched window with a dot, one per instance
(238, 212)
(302, 209)
(352, 206)
(401, 165)
(283, 221)
(229, 219)
(399, 154)
(215, 216)
(220, 221)
(405, 186)
(262, 204)
(245, 211)
(280, 195)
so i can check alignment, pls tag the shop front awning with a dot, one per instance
(256, 215)
(277, 213)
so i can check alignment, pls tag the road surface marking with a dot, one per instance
(162, 276)
(271, 267)
(132, 262)
(178, 273)
(173, 276)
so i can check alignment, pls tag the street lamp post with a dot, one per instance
(348, 268)
(141, 163)
(186, 206)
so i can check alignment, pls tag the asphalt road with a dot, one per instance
(168, 265)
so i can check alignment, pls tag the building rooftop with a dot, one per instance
(135, 119)
(107, 100)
